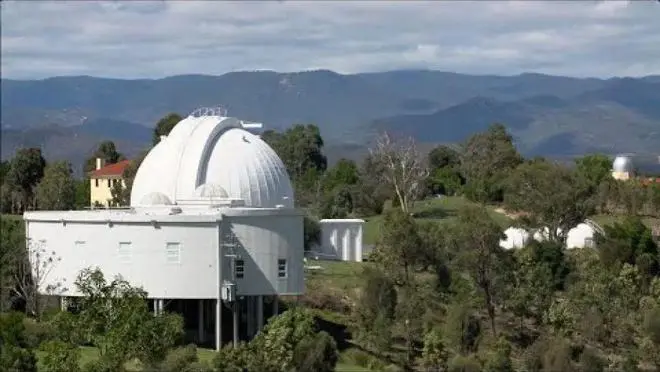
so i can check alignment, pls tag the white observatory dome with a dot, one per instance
(211, 191)
(623, 164)
(213, 156)
(155, 198)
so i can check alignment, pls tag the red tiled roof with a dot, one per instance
(116, 169)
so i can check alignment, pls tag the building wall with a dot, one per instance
(341, 239)
(144, 261)
(261, 242)
(100, 192)
(174, 259)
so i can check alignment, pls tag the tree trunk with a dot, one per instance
(490, 308)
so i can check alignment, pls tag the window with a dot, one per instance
(125, 252)
(281, 268)
(239, 269)
(173, 253)
(96, 182)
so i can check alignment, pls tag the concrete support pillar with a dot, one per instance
(260, 313)
(161, 306)
(358, 245)
(200, 321)
(63, 303)
(235, 320)
(155, 307)
(249, 300)
(276, 306)
(218, 324)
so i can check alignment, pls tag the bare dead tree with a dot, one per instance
(31, 274)
(404, 167)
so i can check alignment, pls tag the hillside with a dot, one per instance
(550, 115)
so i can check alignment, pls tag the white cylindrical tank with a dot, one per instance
(341, 239)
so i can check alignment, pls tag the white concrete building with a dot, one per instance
(516, 237)
(211, 230)
(581, 236)
(341, 239)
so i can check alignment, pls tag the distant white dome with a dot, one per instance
(211, 191)
(155, 198)
(214, 150)
(623, 164)
(515, 238)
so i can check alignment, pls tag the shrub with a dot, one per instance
(37, 332)
(316, 354)
(230, 359)
(591, 362)
(461, 363)
(179, 359)
(59, 357)
(17, 359)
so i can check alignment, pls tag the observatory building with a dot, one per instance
(623, 168)
(211, 233)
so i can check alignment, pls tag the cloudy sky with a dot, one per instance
(156, 39)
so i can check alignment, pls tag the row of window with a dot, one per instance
(173, 256)
(111, 182)
(239, 268)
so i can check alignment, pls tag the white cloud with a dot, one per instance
(156, 38)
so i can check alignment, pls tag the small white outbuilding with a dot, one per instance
(516, 237)
(341, 239)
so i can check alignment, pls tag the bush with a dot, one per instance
(357, 357)
(230, 359)
(316, 354)
(591, 362)
(37, 332)
(461, 363)
(179, 359)
(17, 359)
(60, 357)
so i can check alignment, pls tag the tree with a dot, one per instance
(594, 168)
(106, 151)
(114, 312)
(15, 353)
(312, 233)
(370, 194)
(444, 157)
(300, 148)
(398, 249)
(374, 312)
(83, 190)
(165, 125)
(551, 195)
(60, 357)
(316, 354)
(403, 168)
(278, 341)
(343, 173)
(486, 158)
(25, 172)
(12, 251)
(630, 242)
(32, 273)
(477, 239)
(57, 189)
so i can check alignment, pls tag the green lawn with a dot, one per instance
(441, 210)
(608, 219)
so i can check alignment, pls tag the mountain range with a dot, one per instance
(552, 116)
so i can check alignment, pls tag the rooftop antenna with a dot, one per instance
(209, 111)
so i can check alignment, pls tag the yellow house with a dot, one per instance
(103, 178)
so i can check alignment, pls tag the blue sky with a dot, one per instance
(156, 39)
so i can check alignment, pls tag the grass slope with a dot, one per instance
(441, 210)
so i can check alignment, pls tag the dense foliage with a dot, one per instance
(436, 296)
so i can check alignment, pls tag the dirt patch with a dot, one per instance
(512, 215)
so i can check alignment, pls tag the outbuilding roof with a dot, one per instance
(116, 169)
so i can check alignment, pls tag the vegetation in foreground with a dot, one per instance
(440, 293)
